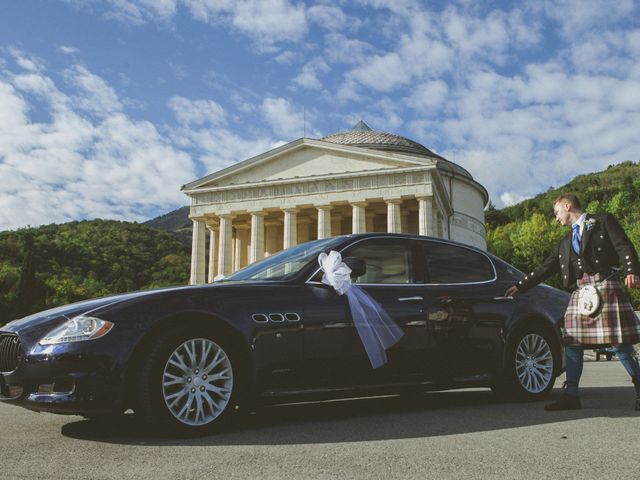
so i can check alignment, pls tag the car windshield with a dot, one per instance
(286, 264)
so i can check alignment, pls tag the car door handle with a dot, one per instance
(417, 298)
(443, 301)
(338, 325)
(416, 323)
(502, 299)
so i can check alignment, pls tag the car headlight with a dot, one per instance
(78, 329)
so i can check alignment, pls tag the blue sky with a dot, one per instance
(108, 106)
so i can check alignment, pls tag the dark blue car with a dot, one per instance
(184, 359)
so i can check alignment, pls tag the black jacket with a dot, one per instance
(604, 245)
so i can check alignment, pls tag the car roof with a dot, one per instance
(413, 236)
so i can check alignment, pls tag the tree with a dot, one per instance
(29, 290)
(534, 240)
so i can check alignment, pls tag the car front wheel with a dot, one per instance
(187, 383)
(529, 369)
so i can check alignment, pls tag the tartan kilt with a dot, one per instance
(613, 323)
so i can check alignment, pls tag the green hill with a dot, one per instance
(176, 222)
(56, 264)
(595, 191)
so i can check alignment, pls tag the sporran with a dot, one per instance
(588, 300)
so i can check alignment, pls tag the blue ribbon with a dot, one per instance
(377, 331)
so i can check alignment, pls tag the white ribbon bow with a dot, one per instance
(336, 273)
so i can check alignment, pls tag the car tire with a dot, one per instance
(530, 364)
(188, 383)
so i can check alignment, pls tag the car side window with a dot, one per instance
(388, 260)
(453, 264)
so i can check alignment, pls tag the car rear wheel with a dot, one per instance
(530, 365)
(188, 383)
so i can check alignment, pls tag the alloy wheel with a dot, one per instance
(197, 382)
(534, 363)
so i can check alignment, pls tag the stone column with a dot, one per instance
(404, 221)
(257, 237)
(370, 216)
(393, 215)
(239, 255)
(304, 234)
(225, 246)
(336, 224)
(358, 217)
(212, 254)
(425, 216)
(324, 221)
(198, 246)
(290, 227)
(271, 237)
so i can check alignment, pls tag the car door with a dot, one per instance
(331, 343)
(465, 310)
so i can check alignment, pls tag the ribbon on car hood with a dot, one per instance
(378, 332)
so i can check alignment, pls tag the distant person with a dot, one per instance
(598, 317)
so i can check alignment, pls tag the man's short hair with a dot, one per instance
(568, 197)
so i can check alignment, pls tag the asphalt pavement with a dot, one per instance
(453, 434)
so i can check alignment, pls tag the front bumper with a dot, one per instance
(78, 378)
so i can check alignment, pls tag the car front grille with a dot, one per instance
(9, 352)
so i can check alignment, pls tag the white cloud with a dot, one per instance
(31, 64)
(283, 118)
(308, 76)
(197, 112)
(341, 49)
(266, 21)
(94, 95)
(271, 20)
(75, 166)
(332, 18)
(428, 96)
(431, 45)
(219, 148)
(511, 198)
(67, 50)
(382, 72)
(285, 57)
(579, 16)
(140, 11)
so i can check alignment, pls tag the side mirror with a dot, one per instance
(357, 265)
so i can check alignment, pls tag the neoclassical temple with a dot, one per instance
(349, 182)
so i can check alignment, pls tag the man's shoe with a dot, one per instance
(567, 402)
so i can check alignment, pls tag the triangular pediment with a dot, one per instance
(305, 158)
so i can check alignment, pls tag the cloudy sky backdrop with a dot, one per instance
(108, 106)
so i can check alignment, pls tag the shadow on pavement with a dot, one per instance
(367, 419)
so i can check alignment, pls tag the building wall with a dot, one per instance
(467, 223)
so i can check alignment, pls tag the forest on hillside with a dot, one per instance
(57, 264)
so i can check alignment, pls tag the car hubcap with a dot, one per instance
(534, 363)
(197, 381)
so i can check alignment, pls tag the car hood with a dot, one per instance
(69, 311)
(55, 316)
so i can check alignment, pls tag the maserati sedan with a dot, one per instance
(185, 359)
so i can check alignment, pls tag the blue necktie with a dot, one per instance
(575, 240)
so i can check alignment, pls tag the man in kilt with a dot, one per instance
(588, 255)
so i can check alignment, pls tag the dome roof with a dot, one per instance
(361, 135)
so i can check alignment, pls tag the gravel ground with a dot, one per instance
(455, 434)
